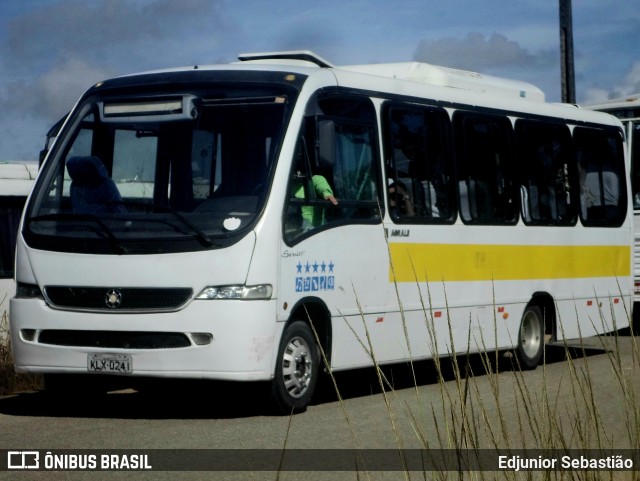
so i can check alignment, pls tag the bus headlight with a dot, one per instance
(262, 292)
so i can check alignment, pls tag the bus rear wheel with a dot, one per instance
(530, 338)
(296, 369)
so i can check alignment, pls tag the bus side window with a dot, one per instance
(353, 169)
(635, 163)
(310, 195)
(484, 163)
(603, 197)
(545, 169)
(334, 174)
(417, 164)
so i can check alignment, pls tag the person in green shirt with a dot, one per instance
(313, 216)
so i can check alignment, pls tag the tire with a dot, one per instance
(530, 338)
(297, 369)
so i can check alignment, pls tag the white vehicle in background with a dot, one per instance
(16, 181)
(627, 109)
(244, 222)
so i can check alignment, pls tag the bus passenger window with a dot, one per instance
(635, 163)
(485, 169)
(545, 168)
(334, 174)
(306, 189)
(418, 164)
(353, 173)
(601, 172)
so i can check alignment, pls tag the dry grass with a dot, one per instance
(471, 416)
(10, 381)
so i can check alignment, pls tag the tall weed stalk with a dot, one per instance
(492, 403)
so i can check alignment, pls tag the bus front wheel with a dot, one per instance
(530, 338)
(296, 369)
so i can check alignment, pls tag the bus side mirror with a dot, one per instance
(326, 143)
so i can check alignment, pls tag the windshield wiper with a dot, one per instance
(114, 242)
(194, 230)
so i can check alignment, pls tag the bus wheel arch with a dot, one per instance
(315, 313)
(537, 327)
(299, 359)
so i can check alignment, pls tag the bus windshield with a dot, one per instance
(168, 173)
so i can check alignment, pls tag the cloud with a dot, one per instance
(316, 39)
(61, 87)
(492, 54)
(51, 55)
(27, 110)
(629, 85)
(52, 94)
(105, 28)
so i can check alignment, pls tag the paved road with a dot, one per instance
(577, 400)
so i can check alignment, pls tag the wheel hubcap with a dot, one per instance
(530, 334)
(297, 368)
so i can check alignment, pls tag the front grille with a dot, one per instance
(129, 298)
(115, 339)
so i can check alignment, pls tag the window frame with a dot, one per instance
(522, 128)
(440, 118)
(312, 124)
(590, 134)
(464, 151)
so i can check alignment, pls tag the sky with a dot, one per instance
(51, 51)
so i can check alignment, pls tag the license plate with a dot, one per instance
(110, 363)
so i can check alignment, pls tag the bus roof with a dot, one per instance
(412, 71)
(415, 79)
(630, 101)
(16, 178)
(453, 78)
(625, 108)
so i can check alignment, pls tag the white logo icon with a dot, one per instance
(23, 460)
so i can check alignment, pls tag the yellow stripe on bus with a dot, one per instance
(480, 262)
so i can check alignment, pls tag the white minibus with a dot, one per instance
(16, 180)
(273, 218)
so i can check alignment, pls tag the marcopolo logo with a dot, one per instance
(23, 460)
